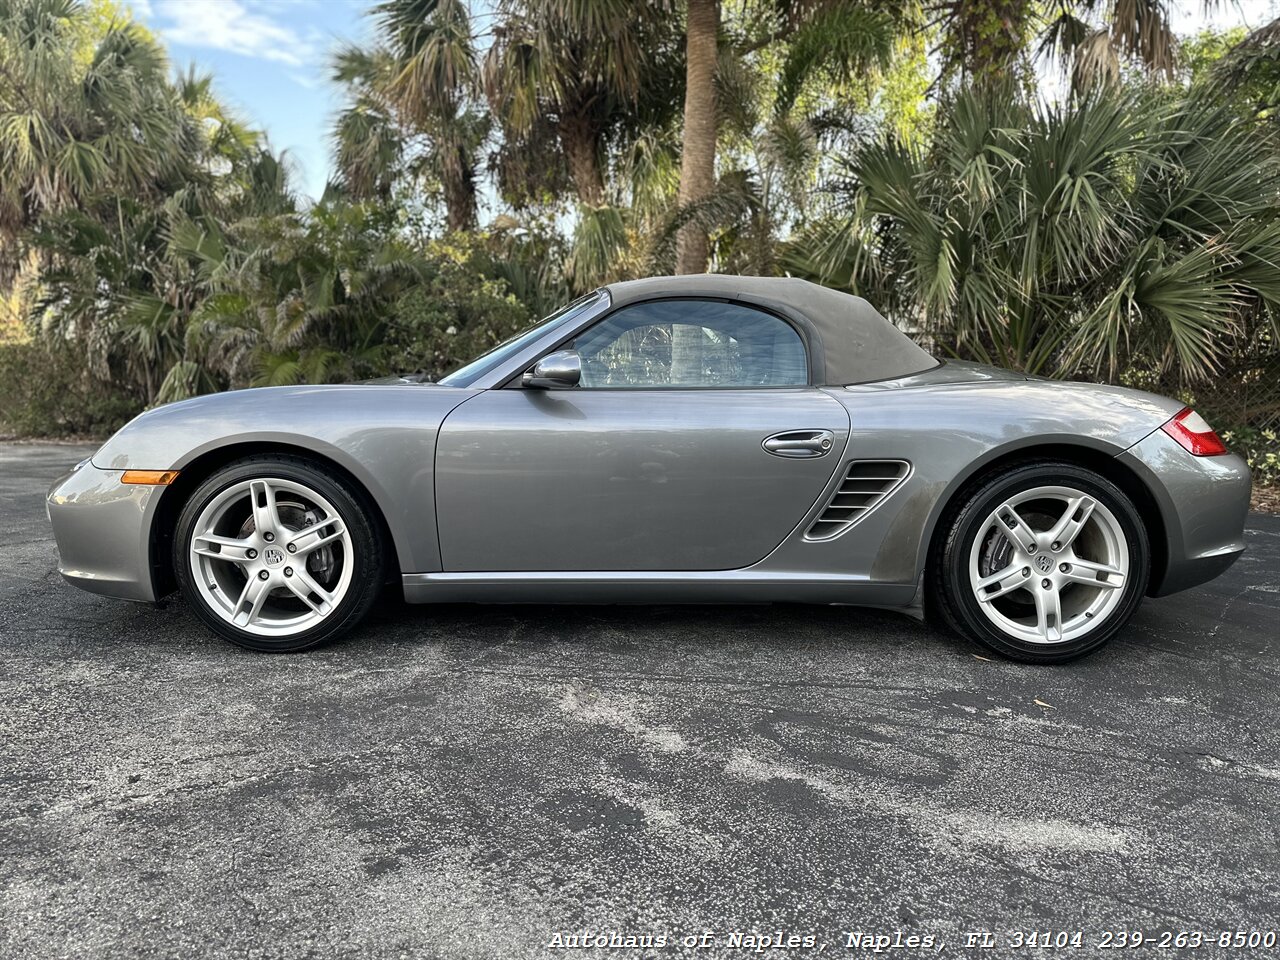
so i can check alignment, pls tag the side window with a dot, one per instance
(691, 343)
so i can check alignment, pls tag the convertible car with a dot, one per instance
(671, 440)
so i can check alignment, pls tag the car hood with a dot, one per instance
(418, 379)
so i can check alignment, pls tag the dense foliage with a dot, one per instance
(1063, 187)
(1127, 228)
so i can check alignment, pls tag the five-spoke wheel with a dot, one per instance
(1049, 564)
(277, 554)
(1042, 562)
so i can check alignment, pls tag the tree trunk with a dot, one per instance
(698, 160)
(578, 139)
(987, 38)
(460, 198)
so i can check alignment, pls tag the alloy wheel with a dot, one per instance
(1049, 564)
(271, 556)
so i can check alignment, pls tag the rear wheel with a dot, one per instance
(277, 553)
(1043, 562)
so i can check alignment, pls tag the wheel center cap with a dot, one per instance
(1043, 562)
(273, 556)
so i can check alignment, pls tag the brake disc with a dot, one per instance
(295, 516)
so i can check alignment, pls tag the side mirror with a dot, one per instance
(556, 371)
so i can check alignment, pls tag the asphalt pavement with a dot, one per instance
(493, 782)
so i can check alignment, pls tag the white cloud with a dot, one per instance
(232, 26)
(309, 80)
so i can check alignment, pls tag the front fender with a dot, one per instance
(383, 436)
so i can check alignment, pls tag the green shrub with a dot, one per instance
(46, 391)
(452, 317)
(1261, 448)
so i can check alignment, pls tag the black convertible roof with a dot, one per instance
(849, 342)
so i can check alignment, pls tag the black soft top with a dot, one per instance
(848, 341)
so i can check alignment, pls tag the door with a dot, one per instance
(693, 442)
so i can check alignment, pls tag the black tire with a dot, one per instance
(357, 516)
(950, 581)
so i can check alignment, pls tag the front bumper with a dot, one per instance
(1203, 503)
(102, 528)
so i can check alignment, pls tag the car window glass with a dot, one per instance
(691, 343)
(466, 375)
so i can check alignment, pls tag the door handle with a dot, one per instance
(797, 444)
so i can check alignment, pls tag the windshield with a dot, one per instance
(473, 371)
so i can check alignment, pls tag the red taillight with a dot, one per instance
(1194, 435)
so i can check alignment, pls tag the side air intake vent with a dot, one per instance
(866, 484)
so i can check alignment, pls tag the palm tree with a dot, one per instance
(582, 69)
(108, 164)
(1096, 36)
(834, 40)
(81, 114)
(134, 283)
(988, 40)
(1251, 69)
(416, 88)
(1127, 229)
(698, 160)
(368, 140)
(306, 299)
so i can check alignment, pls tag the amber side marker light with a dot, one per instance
(1194, 435)
(159, 478)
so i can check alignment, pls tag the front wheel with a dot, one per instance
(1043, 562)
(277, 553)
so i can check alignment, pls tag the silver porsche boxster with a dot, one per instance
(689, 439)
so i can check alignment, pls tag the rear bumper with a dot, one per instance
(1203, 503)
(102, 529)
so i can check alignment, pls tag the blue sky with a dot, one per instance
(269, 61)
(269, 58)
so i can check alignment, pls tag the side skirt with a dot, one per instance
(640, 586)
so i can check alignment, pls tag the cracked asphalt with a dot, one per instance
(463, 782)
